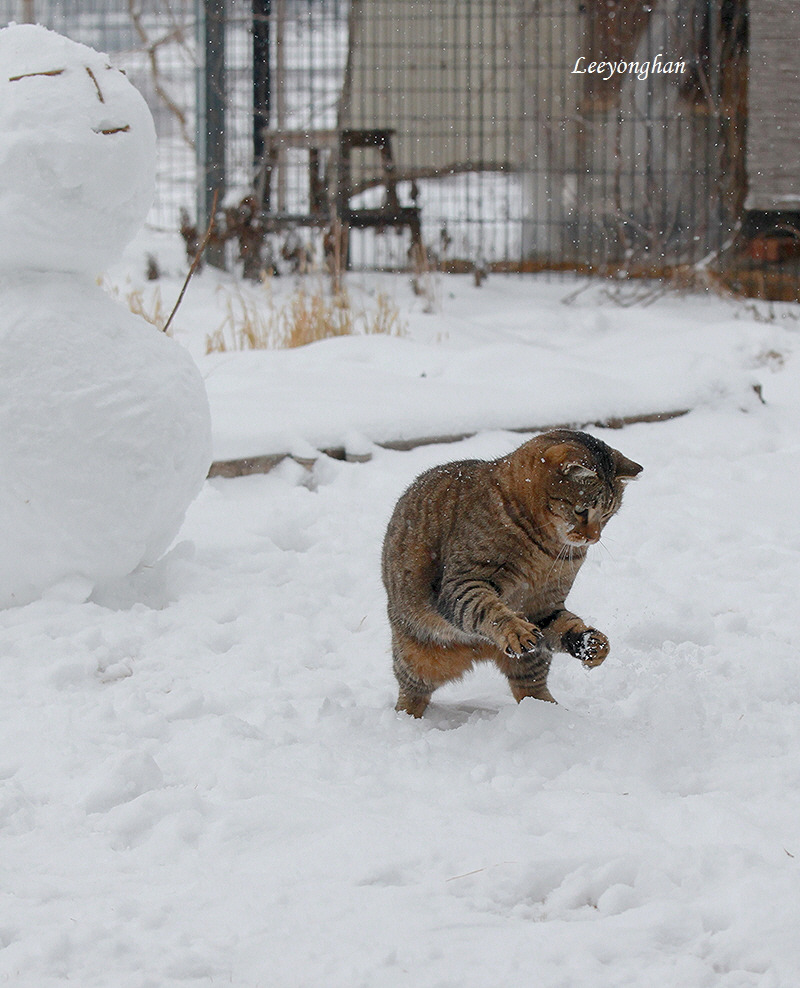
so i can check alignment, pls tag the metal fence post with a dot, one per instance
(211, 99)
(262, 82)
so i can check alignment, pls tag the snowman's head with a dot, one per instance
(77, 154)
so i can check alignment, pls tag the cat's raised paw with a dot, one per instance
(590, 646)
(521, 638)
(594, 648)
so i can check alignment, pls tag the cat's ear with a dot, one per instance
(625, 469)
(563, 457)
(577, 471)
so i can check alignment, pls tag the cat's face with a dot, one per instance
(580, 484)
(580, 503)
(585, 488)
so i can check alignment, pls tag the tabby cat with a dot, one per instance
(479, 557)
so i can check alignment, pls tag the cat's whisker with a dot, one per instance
(605, 548)
(564, 555)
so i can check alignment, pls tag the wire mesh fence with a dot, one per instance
(603, 135)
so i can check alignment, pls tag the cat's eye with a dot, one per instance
(582, 513)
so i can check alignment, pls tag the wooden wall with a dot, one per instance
(773, 138)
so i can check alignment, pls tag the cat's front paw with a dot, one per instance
(590, 646)
(520, 637)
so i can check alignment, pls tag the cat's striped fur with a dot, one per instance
(479, 557)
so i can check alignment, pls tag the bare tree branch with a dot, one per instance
(150, 47)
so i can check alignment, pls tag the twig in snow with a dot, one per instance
(196, 260)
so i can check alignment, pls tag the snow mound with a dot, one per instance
(77, 154)
(105, 438)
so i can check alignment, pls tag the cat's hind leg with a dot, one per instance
(414, 693)
(420, 667)
(527, 674)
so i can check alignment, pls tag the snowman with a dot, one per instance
(104, 421)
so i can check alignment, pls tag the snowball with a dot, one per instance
(105, 437)
(77, 154)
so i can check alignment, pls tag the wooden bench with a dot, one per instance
(329, 163)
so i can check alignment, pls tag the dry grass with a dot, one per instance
(246, 326)
(385, 318)
(155, 314)
(146, 303)
(315, 316)
(423, 278)
(258, 322)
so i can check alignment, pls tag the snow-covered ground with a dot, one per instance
(204, 781)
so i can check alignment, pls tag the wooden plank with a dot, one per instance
(303, 139)
(263, 464)
(245, 466)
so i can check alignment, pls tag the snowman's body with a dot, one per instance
(104, 421)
